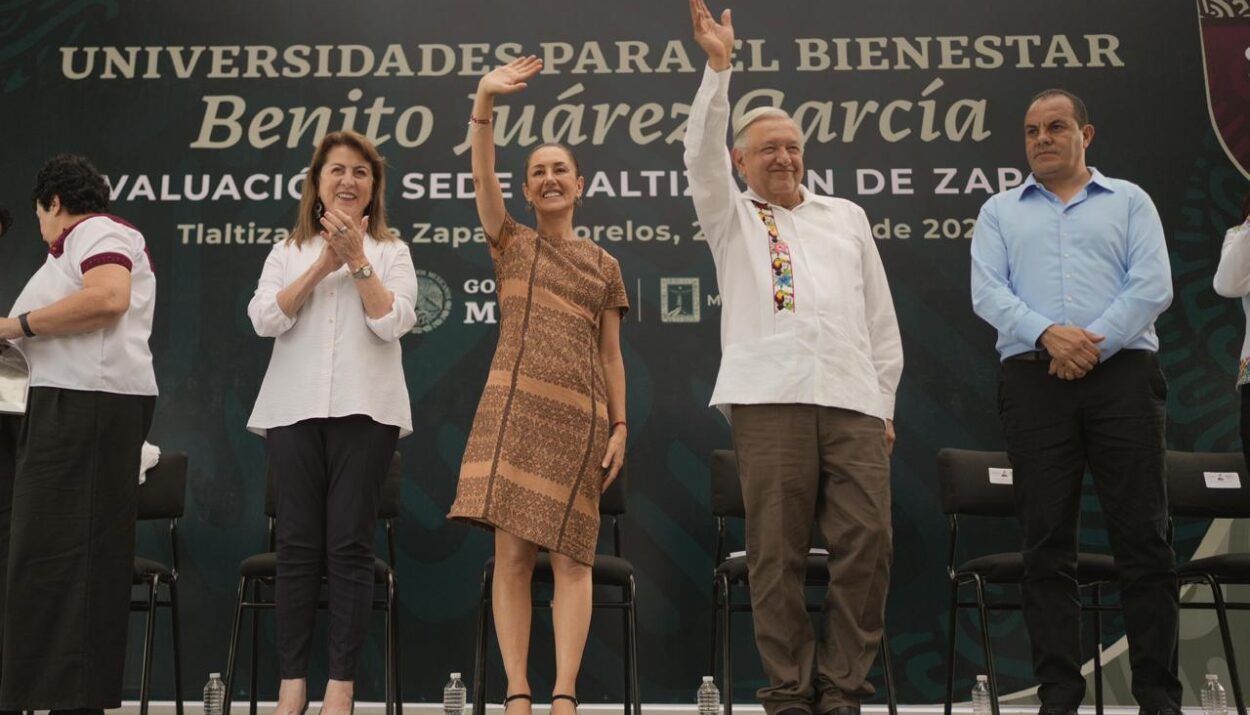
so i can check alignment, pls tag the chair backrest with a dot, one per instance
(163, 494)
(1200, 485)
(726, 498)
(612, 501)
(391, 491)
(964, 476)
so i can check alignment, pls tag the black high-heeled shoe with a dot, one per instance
(516, 696)
(570, 698)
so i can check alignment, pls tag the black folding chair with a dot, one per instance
(261, 571)
(1199, 486)
(161, 496)
(964, 476)
(730, 577)
(609, 570)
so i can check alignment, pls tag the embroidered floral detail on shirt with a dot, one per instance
(1243, 371)
(779, 260)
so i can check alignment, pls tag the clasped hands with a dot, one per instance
(344, 240)
(1073, 351)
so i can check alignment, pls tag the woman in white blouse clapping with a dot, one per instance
(1232, 280)
(337, 294)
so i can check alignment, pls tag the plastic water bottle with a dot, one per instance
(981, 696)
(708, 697)
(454, 696)
(1214, 701)
(214, 695)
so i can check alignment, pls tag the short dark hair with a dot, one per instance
(72, 178)
(1078, 106)
(547, 145)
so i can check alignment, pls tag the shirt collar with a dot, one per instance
(1096, 179)
(804, 197)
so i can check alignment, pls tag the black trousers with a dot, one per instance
(328, 475)
(71, 549)
(1245, 422)
(1113, 421)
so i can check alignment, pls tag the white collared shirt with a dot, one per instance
(1232, 280)
(330, 359)
(840, 347)
(115, 359)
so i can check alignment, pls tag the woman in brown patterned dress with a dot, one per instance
(549, 435)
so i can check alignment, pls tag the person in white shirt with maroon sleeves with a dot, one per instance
(82, 323)
(337, 296)
(811, 358)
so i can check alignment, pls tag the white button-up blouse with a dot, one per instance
(330, 359)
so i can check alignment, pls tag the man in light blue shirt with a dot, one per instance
(1072, 269)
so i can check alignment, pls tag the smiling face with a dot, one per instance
(771, 160)
(551, 181)
(1054, 141)
(346, 181)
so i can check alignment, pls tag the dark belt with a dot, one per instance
(1032, 356)
(1042, 355)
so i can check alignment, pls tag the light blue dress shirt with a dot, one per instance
(1099, 262)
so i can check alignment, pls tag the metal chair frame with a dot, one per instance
(960, 578)
(388, 604)
(176, 461)
(1183, 465)
(611, 508)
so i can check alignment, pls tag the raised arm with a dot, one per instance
(712, 185)
(507, 79)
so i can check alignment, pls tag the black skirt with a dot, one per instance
(71, 549)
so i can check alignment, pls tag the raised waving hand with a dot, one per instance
(716, 38)
(508, 79)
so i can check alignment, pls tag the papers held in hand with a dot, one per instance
(14, 380)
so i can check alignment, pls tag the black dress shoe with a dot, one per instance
(1169, 710)
(1056, 710)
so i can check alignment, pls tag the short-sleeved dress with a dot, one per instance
(532, 463)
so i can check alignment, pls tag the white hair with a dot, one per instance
(753, 116)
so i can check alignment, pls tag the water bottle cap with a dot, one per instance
(1212, 676)
(455, 675)
(214, 675)
(983, 678)
(708, 679)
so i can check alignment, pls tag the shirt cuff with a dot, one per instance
(396, 323)
(1031, 328)
(1111, 344)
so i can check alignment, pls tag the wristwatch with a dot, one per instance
(365, 271)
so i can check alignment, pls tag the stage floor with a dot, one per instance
(240, 708)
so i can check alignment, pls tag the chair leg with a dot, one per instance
(1222, 613)
(173, 630)
(726, 644)
(631, 649)
(629, 686)
(232, 658)
(388, 657)
(149, 636)
(395, 669)
(716, 634)
(1098, 700)
(891, 697)
(255, 677)
(952, 621)
(985, 644)
(479, 658)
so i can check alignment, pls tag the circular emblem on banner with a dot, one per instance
(433, 301)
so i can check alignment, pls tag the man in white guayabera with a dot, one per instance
(811, 359)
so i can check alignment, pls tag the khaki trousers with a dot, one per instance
(801, 464)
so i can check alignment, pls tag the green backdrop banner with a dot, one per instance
(203, 116)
